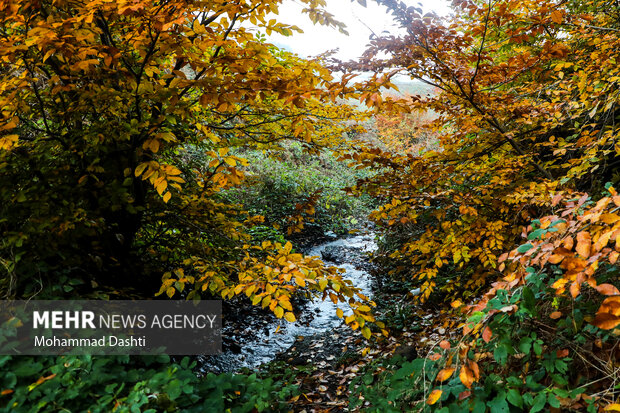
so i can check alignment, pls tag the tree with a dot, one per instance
(119, 125)
(525, 109)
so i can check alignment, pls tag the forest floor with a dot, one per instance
(324, 365)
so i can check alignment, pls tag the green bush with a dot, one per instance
(276, 185)
(130, 384)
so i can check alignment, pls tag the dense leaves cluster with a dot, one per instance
(525, 108)
(119, 121)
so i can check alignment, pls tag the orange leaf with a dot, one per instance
(555, 259)
(555, 315)
(561, 353)
(575, 288)
(583, 244)
(609, 218)
(444, 345)
(5, 392)
(611, 305)
(466, 376)
(445, 374)
(433, 397)
(613, 257)
(487, 334)
(606, 321)
(434, 356)
(475, 369)
(603, 240)
(607, 289)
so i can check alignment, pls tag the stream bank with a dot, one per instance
(250, 344)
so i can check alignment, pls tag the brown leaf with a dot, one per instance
(487, 334)
(465, 394)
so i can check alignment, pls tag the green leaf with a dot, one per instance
(536, 234)
(514, 397)
(479, 406)
(524, 248)
(539, 402)
(553, 401)
(500, 354)
(538, 347)
(525, 345)
(499, 404)
(529, 300)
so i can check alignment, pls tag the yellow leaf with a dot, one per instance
(278, 311)
(167, 196)
(154, 145)
(170, 292)
(161, 187)
(366, 333)
(433, 397)
(339, 313)
(140, 168)
(323, 284)
(557, 16)
(289, 317)
(288, 247)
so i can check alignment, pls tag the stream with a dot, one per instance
(316, 316)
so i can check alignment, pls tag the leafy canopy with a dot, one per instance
(119, 125)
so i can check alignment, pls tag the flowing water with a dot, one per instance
(267, 343)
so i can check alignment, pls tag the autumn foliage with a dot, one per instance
(122, 123)
(526, 114)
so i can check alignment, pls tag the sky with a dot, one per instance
(361, 22)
